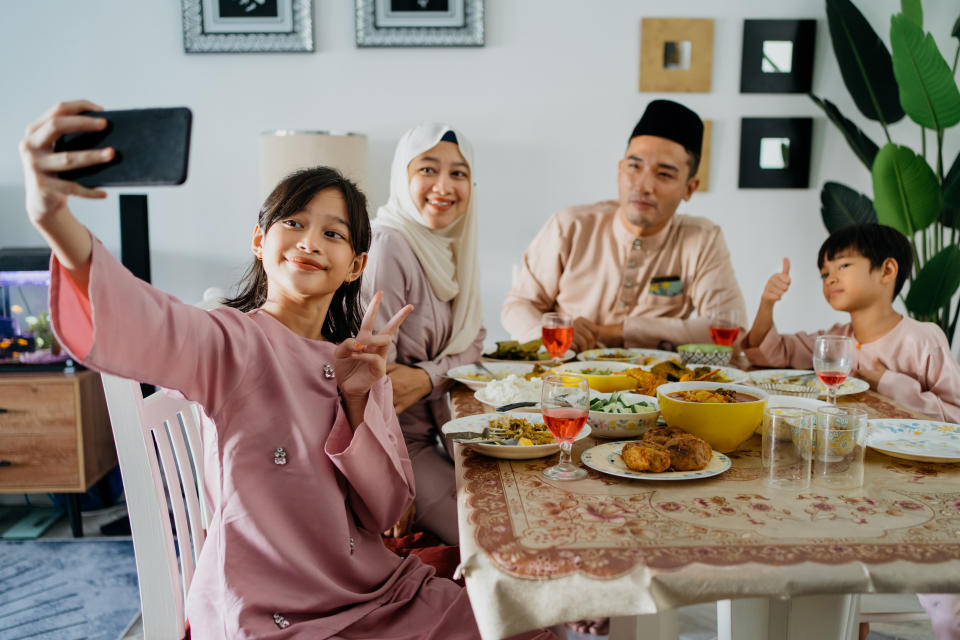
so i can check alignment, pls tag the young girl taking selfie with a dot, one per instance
(305, 463)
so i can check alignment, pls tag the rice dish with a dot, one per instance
(511, 389)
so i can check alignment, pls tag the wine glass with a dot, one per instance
(832, 360)
(724, 326)
(565, 402)
(556, 330)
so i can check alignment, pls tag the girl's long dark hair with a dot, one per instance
(290, 196)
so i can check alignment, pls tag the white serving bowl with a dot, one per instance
(623, 425)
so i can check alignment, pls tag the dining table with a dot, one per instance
(781, 564)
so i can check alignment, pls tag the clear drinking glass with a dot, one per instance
(840, 447)
(786, 453)
(565, 402)
(556, 330)
(725, 326)
(832, 360)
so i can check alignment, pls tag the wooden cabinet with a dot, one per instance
(55, 432)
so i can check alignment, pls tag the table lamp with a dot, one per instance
(285, 151)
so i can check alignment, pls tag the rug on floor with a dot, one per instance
(67, 589)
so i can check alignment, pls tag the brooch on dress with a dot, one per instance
(280, 456)
(328, 371)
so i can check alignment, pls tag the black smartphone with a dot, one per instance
(152, 148)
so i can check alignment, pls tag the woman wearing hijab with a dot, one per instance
(424, 252)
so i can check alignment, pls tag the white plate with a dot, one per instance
(605, 458)
(477, 422)
(849, 386)
(569, 355)
(734, 375)
(483, 396)
(502, 369)
(920, 440)
(638, 356)
(795, 402)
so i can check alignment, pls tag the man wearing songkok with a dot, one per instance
(632, 271)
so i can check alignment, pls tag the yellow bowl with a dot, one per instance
(602, 383)
(722, 425)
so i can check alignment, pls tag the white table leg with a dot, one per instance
(660, 626)
(832, 617)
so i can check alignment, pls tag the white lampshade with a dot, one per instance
(285, 151)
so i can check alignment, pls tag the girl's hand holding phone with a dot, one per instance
(359, 362)
(46, 192)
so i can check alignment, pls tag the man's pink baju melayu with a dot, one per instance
(298, 542)
(585, 262)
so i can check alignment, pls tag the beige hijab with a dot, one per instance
(448, 256)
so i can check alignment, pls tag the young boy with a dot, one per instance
(863, 268)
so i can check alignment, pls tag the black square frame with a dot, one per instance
(796, 175)
(752, 78)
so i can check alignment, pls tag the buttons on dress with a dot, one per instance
(623, 303)
(328, 371)
(632, 264)
(353, 545)
(637, 244)
(280, 456)
(628, 284)
(280, 621)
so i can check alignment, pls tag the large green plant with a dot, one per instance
(910, 193)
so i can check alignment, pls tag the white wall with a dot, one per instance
(548, 103)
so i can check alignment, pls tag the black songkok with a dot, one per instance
(673, 121)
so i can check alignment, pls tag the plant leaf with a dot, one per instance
(864, 62)
(956, 29)
(950, 216)
(913, 10)
(935, 284)
(841, 206)
(865, 148)
(906, 193)
(928, 91)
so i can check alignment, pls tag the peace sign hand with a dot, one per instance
(359, 362)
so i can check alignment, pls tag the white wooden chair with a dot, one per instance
(160, 453)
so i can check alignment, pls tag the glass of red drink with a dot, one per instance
(725, 326)
(556, 330)
(565, 402)
(832, 360)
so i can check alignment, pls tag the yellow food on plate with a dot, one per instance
(526, 432)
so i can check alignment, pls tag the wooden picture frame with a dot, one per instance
(775, 153)
(703, 172)
(685, 67)
(777, 56)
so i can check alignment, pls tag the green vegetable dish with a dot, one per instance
(616, 404)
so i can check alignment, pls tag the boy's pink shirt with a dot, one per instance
(922, 373)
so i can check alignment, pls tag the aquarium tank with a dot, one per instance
(26, 339)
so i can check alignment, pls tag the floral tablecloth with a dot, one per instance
(536, 552)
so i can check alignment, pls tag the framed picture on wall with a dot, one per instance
(419, 23)
(247, 26)
(777, 56)
(775, 153)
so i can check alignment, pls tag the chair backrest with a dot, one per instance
(160, 453)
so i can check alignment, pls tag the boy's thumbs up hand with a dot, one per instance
(778, 284)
